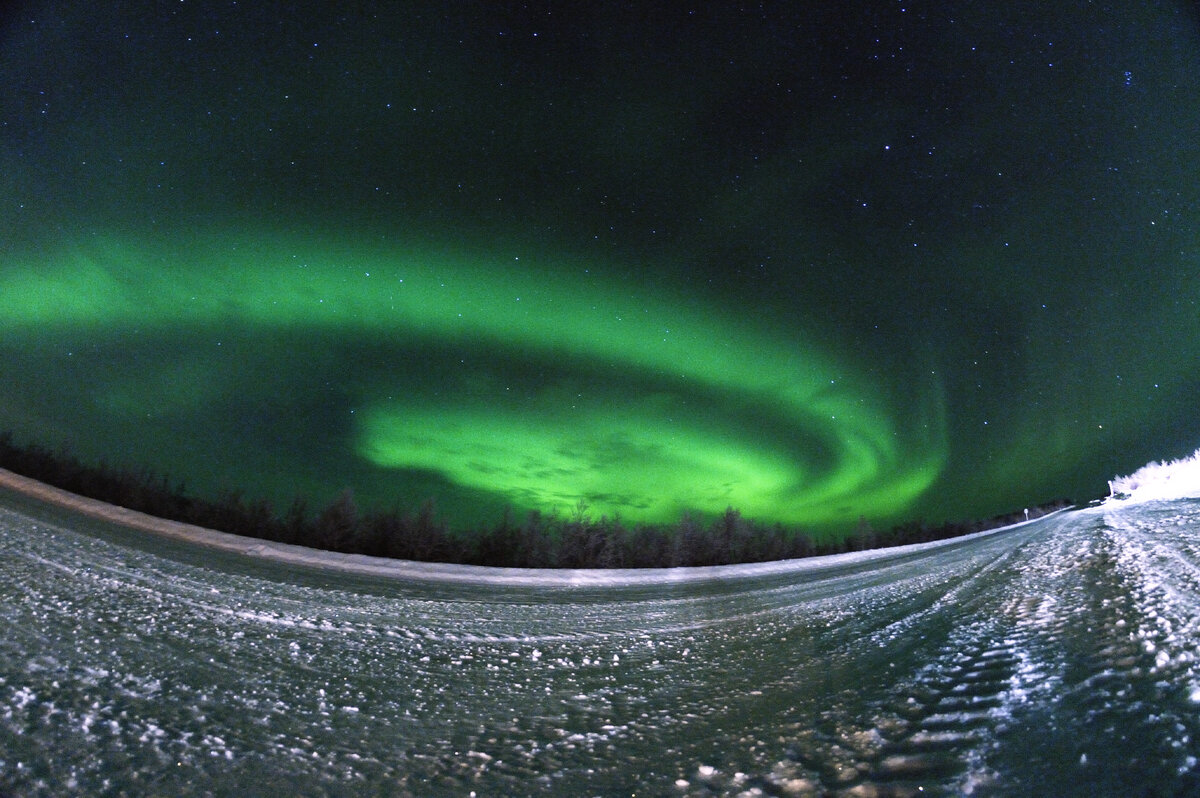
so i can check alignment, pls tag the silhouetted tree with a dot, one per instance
(296, 526)
(337, 525)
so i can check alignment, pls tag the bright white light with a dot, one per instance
(1176, 479)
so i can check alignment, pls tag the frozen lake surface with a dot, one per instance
(1058, 657)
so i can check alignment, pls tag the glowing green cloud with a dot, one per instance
(640, 403)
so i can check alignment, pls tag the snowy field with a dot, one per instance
(1059, 657)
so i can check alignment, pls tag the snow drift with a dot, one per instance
(1175, 479)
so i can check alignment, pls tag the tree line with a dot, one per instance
(538, 540)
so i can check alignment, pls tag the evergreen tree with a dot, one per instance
(337, 525)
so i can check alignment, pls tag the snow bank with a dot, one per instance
(1176, 479)
(408, 570)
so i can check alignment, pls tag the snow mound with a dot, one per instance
(1176, 479)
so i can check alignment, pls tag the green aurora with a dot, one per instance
(639, 407)
(931, 261)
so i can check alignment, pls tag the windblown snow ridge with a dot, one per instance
(1174, 479)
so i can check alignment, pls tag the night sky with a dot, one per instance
(815, 261)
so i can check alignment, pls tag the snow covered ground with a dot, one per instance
(1057, 657)
(1173, 479)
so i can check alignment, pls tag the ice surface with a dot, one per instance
(1174, 479)
(1059, 657)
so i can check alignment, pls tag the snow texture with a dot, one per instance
(1158, 481)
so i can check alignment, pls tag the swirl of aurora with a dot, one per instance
(542, 386)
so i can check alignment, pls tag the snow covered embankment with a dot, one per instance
(1176, 479)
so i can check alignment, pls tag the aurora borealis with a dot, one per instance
(929, 261)
(581, 382)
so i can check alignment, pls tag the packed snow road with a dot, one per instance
(1057, 657)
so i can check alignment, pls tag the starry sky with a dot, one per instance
(921, 260)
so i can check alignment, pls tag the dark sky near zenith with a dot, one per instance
(816, 261)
